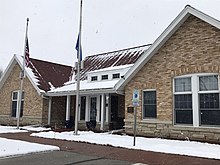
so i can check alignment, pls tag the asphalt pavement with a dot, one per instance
(60, 158)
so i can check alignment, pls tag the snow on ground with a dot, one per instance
(35, 128)
(17, 147)
(10, 129)
(189, 148)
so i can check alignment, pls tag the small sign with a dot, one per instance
(130, 109)
(135, 99)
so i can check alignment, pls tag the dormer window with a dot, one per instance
(94, 78)
(105, 77)
(117, 75)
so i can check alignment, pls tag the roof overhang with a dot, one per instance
(84, 92)
(15, 60)
(159, 42)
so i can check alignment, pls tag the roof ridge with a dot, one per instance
(50, 62)
(119, 50)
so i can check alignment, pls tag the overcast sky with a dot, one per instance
(107, 25)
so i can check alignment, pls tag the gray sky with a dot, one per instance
(107, 25)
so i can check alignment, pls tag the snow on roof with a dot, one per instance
(85, 85)
(29, 71)
(46, 75)
(112, 59)
(113, 68)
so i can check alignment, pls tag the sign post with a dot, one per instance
(135, 102)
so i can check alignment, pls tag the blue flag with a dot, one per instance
(77, 48)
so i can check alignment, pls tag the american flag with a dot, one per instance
(27, 55)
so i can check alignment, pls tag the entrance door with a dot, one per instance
(93, 109)
(83, 108)
(114, 108)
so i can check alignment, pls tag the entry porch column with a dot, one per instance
(49, 111)
(103, 109)
(68, 108)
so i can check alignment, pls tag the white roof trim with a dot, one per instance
(10, 68)
(167, 33)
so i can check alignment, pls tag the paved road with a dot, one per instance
(60, 158)
(102, 153)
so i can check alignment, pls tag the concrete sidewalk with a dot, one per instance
(108, 152)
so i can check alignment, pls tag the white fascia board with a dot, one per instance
(158, 43)
(7, 71)
(167, 33)
(40, 92)
(212, 21)
(82, 92)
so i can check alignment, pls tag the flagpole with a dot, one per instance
(78, 71)
(22, 75)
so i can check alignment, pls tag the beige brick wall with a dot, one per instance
(58, 111)
(193, 48)
(33, 103)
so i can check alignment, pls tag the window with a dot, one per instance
(117, 75)
(209, 100)
(149, 104)
(15, 96)
(196, 100)
(105, 77)
(183, 101)
(94, 78)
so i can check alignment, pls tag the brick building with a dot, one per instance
(49, 91)
(177, 78)
(41, 76)
(178, 81)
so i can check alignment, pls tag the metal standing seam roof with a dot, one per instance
(111, 59)
(49, 74)
(52, 75)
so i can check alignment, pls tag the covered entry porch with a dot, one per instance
(97, 111)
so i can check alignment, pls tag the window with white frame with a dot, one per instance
(183, 101)
(209, 100)
(105, 77)
(116, 75)
(149, 104)
(196, 100)
(15, 96)
(94, 78)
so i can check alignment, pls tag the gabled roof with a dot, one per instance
(50, 74)
(112, 59)
(42, 74)
(121, 59)
(159, 42)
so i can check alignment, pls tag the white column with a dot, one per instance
(195, 101)
(68, 108)
(98, 108)
(49, 111)
(87, 108)
(107, 109)
(102, 112)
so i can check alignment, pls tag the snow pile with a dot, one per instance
(17, 147)
(35, 128)
(9, 129)
(189, 148)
